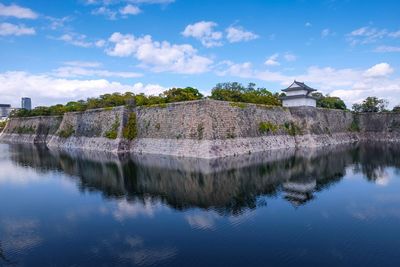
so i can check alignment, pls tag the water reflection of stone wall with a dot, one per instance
(228, 185)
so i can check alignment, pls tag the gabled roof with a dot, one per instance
(299, 86)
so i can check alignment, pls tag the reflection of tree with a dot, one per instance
(3, 258)
(374, 157)
(228, 185)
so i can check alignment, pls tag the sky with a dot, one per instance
(58, 51)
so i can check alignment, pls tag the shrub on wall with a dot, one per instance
(112, 133)
(2, 125)
(266, 127)
(130, 130)
(67, 131)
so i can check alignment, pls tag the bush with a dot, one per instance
(130, 130)
(292, 129)
(2, 125)
(266, 127)
(67, 131)
(112, 133)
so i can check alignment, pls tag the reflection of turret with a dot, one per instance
(299, 192)
(228, 185)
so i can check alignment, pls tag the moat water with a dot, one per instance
(326, 207)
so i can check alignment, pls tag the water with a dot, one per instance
(336, 207)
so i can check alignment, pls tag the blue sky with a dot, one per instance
(56, 51)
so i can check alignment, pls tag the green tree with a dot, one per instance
(236, 92)
(371, 104)
(327, 101)
(181, 94)
(396, 108)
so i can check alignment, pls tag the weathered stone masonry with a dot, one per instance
(203, 129)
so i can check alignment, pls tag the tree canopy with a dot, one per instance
(113, 100)
(371, 104)
(326, 101)
(396, 108)
(236, 92)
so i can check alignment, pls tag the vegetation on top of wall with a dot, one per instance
(130, 130)
(236, 92)
(266, 127)
(67, 131)
(326, 101)
(113, 100)
(371, 104)
(112, 133)
(396, 108)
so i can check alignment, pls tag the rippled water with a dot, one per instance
(336, 207)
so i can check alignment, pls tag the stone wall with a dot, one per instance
(204, 129)
(98, 129)
(32, 130)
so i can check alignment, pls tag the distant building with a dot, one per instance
(26, 103)
(5, 110)
(298, 94)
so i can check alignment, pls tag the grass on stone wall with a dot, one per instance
(200, 131)
(112, 133)
(67, 131)
(2, 125)
(354, 126)
(238, 105)
(130, 130)
(292, 128)
(24, 130)
(267, 127)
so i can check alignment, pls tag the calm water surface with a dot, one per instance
(338, 207)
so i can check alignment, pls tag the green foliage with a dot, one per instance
(396, 108)
(2, 125)
(24, 130)
(354, 126)
(266, 127)
(327, 101)
(182, 94)
(130, 130)
(200, 131)
(371, 104)
(292, 129)
(238, 105)
(112, 133)
(67, 131)
(108, 101)
(236, 92)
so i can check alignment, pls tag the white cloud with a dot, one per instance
(46, 89)
(308, 24)
(17, 30)
(238, 34)
(104, 11)
(272, 60)
(386, 48)
(325, 33)
(378, 70)
(74, 69)
(158, 56)
(289, 57)
(80, 40)
(204, 31)
(130, 10)
(56, 23)
(366, 35)
(17, 12)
